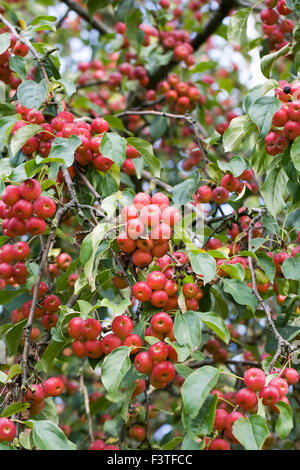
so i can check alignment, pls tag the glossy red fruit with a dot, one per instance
(161, 322)
(93, 348)
(143, 362)
(246, 399)
(269, 395)
(122, 326)
(30, 189)
(7, 430)
(90, 328)
(44, 207)
(163, 371)
(110, 342)
(255, 379)
(158, 351)
(74, 327)
(53, 387)
(291, 375)
(133, 340)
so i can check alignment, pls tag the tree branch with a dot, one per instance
(282, 343)
(96, 24)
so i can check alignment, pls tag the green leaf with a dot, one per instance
(274, 190)
(14, 408)
(183, 370)
(32, 94)
(202, 424)
(170, 445)
(68, 86)
(114, 368)
(14, 370)
(48, 436)
(216, 323)
(237, 28)
(49, 412)
(241, 293)
(4, 42)
(116, 307)
(13, 337)
(7, 295)
(284, 423)
(22, 135)
(18, 65)
(133, 33)
(63, 149)
(204, 264)
(187, 329)
(50, 354)
(269, 59)
(236, 165)
(94, 5)
(262, 111)
(196, 388)
(238, 129)
(235, 271)
(183, 192)
(251, 432)
(89, 254)
(267, 264)
(113, 147)
(291, 268)
(6, 124)
(295, 153)
(146, 150)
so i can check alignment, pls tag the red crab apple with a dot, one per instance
(44, 207)
(143, 362)
(53, 387)
(30, 189)
(137, 432)
(7, 429)
(255, 379)
(142, 291)
(122, 326)
(90, 328)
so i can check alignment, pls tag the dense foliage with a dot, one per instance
(150, 224)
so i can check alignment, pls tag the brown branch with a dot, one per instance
(121, 267)
(84, 391)
(96, 24)
(28, 327)
(88, 184)
(281, 342)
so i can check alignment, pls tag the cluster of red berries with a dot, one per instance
(16, 48)
(286, 121)
(23, 209)
(247, 399)
(14, 274)
(148, 227)
(36, 393)
(161, 286)
(277, 30)
(86, 332)
(62, 263)
(63, 125)
(181, 96)
(156, 362)
(229, 184)
(99, 444)
(214, 347)
(46, 309)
